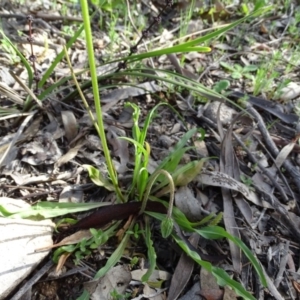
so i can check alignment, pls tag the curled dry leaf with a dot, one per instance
(283, 154)
(70, 125)
(120, 147)
(70, 154)
(61, 262)
(291, 91)
(156, 275)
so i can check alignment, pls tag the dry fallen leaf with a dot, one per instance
(188, 204)
(69, 240)
(70, 125)
(291, 91)
(18, 241)
(210, 290)
(183, 271)
(116, 279)
(223, 180)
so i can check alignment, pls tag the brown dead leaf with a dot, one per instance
(296, 286)
(70, 154)
(229, 294)
(223, 180)
(61, 262)
(183, 271)
(229, 165)
(210, 290)
(69, 240)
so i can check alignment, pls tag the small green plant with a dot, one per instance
(266, 75)
(237, 71)
(168, 174)
(247, 181)
(109, 5)
(116, 296)
(293, 26)
(136, 232)
(7, 47)
(134, 261)
(144, 186)
(84, 248)
(186, 16)
(221, 86)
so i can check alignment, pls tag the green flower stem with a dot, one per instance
(92, 63)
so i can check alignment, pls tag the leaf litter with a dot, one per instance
(265, 213)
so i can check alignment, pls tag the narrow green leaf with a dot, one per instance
(46, 209)
(227, 66)
(171, 162)
(114, 258)
(151, 254)
(166, 227)
(221, 276)
(23, 59)
(214, 232)
(59, 57)
(250, 68)
(184, 175)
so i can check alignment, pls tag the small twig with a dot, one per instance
(294, 173)
(16, 136)
(145, 34)
(27, 89)
(263, 169)
(281, 175)
(133, 25)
